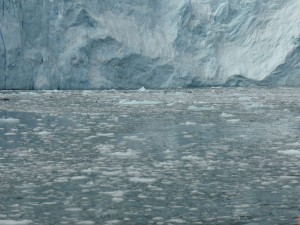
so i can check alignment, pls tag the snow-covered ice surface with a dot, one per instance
(200, 156)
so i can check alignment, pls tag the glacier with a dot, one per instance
(129, 44)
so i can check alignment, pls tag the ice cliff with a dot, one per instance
(103, 44)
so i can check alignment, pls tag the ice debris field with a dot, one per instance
(208, 156)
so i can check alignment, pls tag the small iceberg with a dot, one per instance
(142, 89)
(9, 121)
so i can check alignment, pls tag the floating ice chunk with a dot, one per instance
(197, 160)
(290, 152)
(233, 120)
(117, 199)
(29, 93)
(133, 138)
(128, 153)
(79, 178)
(85, 223)
(15, 222)
(142, 89)
(176, 221)
(135, 102)
(142, 180)
(158, 218)
(191, 158)
(82, 130)
(155, 188)
(188, 123)
(87, 171)
(73, 209)
(90, 137)
(142, 196)
(187, 136)
(104, 148)
(111, 173)
(287, 177)
(49, 203)
(193, 108)
(226, 115)
(87, 93)
(242, 206)
(111, 222)
(27, 186)
(294, 144)
(9, 121)
(202, 108)
(105, 134)
(44, 133)
(10, 134)
(88, 184)
(61, 180)
(115, 194)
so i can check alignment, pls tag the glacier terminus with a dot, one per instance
(127, 44)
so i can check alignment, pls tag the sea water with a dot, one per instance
(196, 156)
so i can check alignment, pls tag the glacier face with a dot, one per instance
(104, 44)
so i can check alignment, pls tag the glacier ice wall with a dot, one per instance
(103, 44)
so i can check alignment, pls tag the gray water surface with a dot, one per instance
(207, 156)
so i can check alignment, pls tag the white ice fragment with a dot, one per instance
(233, 121)
(243, 206)
(226, 115)
(44, 133)
(61, 180)
(90, 137)
(294, 144)
(27, 186)
(87, 171)
(133, 138)
(10, 134)
(290, 152)
(85, 223)
(79, 178)
(142, 180)
(111, 222)
(176, 221)
(116, 195)
(191, 158)
(157, 218)
(29, 93)
(193, 108)
(287, 177)
(202, 108)
(142, 89)
(142, 196)
(117, 199)
(49, 203)
(9, 121)
(128, 153)
(188, 123)
(15, 222)
(73, 209)
(135, 102)
(196, 160)
(187, 136)
(105, 134)
(111, 173)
